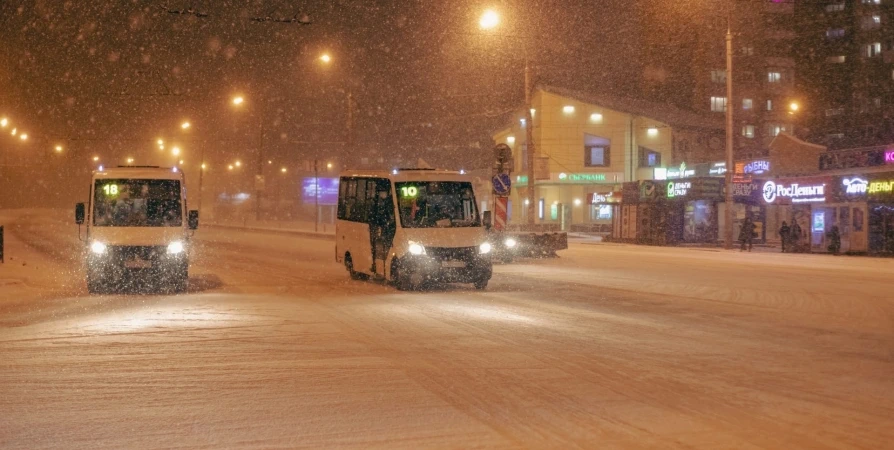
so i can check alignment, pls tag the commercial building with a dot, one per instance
(588, 145)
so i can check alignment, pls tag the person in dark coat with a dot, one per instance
(796, 236)
(784, 234)
(746, 234)
(834, 240)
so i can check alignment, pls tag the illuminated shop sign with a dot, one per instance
(756, 167)
(798, 193)
(678, 189)
(598, 198)
(679, 172)
(889, 156)
(854, 186)
(717, 169)
(881, 187)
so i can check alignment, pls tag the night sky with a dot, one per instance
(110, 77)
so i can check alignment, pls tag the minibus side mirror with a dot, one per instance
(80, 213)
(193, 220)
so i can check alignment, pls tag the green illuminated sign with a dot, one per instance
(409, 191)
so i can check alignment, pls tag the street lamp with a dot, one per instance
(238, 100)
(185, 125)
(58, 149)
(325, 58)
(15, 131)
(328, 165)
(4, 122)
(283, 170)
(23, 137)
(95, 158)
(175, 151)
(489, 20)
(238, 163)
(130, 160)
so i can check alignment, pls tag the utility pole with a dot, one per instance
(201, 177)
(259, 179)
(529, 138)
(350, 123)
(728, 225)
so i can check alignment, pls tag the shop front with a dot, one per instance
(692, 209)
(603, 205)
(866, 212)
(803, 204)
(565, 200)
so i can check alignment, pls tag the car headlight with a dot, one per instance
(416, 249)
(175, 247)
(485, 248)
(98, 248)
(510, 243)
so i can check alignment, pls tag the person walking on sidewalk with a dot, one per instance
(746, 234)
(784, 234)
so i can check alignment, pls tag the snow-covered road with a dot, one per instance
(609, 346)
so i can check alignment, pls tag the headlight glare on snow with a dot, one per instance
(485, 248)
(175, 248)
(416, 249)
(510, 243)
(98, 248)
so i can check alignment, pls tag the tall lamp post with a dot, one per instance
(238, 101)
(326, 59)
(489, 21)
(728, 231)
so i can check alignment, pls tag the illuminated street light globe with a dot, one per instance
(489, 20)
(238, 100)
(326, 58)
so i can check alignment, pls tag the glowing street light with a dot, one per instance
(23, 137)
(238, 163)
(283, 170)
(794, 106)
(203, 166)
(328, 165)
(130, 160)
(181, 162)
(4, 122)
(230, 167)
(15, 131)
(185, 125)
(175, 151)
(489, 20)
(58, 149)
(325, 58)
(238, 100)
(95, 158)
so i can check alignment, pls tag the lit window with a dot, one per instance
(718, 104)
(649, 157)
(769, 105)
(747, 103)
(522, 122)
(835, 7)
(596, 117)
(872, 2)
(834, 112)
(568, 109)
(774, 77)
(597, 156)
(873, 49)
(748, 51)
(773, 129)
(871, 21)
(835, 136)
(718, 76)
(834, 33)
(836, 59)
(748, 131)
(541, 206)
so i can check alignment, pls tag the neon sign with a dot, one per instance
(796, 192)
(681, 172)
(889, 156)
(757, 167)
(855, 186)
(601, 198)
(881, 187)
(678, 189)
